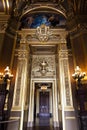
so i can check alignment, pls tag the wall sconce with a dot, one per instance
(5, 79)
(78, 75)
(6, 75)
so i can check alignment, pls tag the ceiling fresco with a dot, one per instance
(35, 20)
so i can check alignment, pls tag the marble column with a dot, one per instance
(21, 82)
(31, 105)
(55, 105)
(68, 113)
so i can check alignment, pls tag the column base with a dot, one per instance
(30, 124)
(56, 124)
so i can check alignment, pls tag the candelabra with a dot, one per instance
(5, 79)
(78, 75)
(80, 97)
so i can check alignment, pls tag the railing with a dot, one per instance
(12, 124)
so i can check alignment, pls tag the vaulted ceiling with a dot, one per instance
(17, 9)
(77, 6)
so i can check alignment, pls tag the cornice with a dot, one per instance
(77, 25)
(29, 35)
(78, 30)
(4, 17)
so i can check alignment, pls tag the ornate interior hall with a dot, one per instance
(43, 64)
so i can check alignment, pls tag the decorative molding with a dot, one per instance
(63, 58)
(67, 85)
(78, 30)
(29, 36)
(56, 7)
(22, 54)
(3, 27)
(70, 118)
(23, 51)
(37, 60)
(43, 33)
(18, 84)
(77, 25)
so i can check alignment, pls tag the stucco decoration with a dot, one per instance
(37, 66)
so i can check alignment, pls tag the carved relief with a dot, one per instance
(22, 54)
(36, 66)
(67, 87)
(18, 83)
(63, 56)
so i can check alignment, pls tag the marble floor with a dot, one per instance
(43, 123)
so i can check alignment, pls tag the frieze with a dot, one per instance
(30, 36)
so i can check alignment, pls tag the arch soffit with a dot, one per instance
(50, 9)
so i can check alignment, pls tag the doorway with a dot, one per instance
(44, 104)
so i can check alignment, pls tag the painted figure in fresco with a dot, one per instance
(39, 19)
(54, 20)
(30, 20)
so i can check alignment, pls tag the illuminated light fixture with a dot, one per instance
(1, 75)
(43, 33)
(43, 87)
(78, 75)
(7, 73)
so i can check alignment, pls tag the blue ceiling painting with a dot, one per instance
(35, 20)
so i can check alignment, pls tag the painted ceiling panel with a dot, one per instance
(35, 20)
